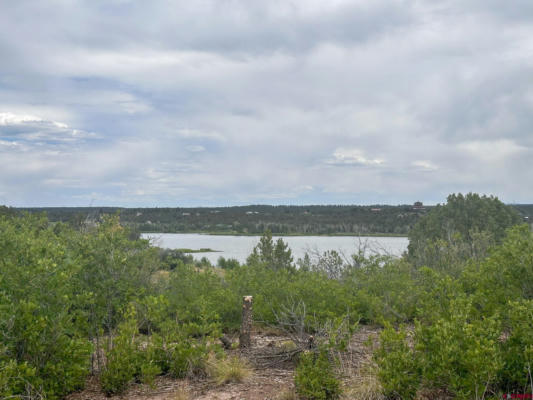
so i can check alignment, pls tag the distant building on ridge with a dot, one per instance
(418, 206)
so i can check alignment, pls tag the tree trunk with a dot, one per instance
(245, 339)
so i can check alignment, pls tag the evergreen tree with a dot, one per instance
(274, 256)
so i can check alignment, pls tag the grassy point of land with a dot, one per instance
(203, 250)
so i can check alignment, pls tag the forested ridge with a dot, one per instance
(455, 312)
(255, 219)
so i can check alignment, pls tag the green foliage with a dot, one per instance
(230, 263)
(456, 353)
(61, 290)
(114, 271)
(124, 359)
(315, 378)
(274, 290)
(398, 369)
(326, 219)
(507, 275)
(517, 349)
(16, 380)
(189, 357)
(41, 350)
(465, 227)
(384, 289)
(172, 258)
(330, 263)
(201, 296)
(460, 352)
(473, 335)
(273, 256)
(181, 350)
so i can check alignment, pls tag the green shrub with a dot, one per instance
(398, 371)
(149, 370)
(457, 353)
(315, 379)
(124, 360)
(460, 352)
(517, 348)
(15, 379)
(179, 349)
(463, 228)
(383, 289)
(41, 348)
(186, 359)
(274, 290)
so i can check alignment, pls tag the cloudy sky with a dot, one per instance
(181, 103)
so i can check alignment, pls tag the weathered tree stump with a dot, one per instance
(245, 337)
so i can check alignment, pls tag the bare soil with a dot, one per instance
(273, 374)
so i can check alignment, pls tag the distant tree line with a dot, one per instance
(254, 219)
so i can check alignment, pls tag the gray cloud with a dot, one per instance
(173, 102)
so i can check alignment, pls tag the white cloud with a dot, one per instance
(30, 128)
(8, 119)
(353, 156)
(424, 165)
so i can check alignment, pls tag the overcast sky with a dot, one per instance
(185, 103)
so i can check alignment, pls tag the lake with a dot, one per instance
(240, 247)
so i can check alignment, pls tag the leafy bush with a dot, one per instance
(188, 358)
(41, 349)
(517, 348)
(229, 263)
(275, 289)
(383, 289)
(465, 227)
(315, 379)
(149, 371)
(15, 380)
(113, 271)
(171, 350)
(398, 370)
(124, 360)
(460, 352)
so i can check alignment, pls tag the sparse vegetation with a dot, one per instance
(230, 369)
(287, 394)
(181, 394)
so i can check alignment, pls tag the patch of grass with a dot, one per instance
(231, 369)
(287, 394)
(269, 330)
(202, 250)
(181, 394)
(287, 346)
(364, 385)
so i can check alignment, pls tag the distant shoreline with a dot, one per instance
(282, 234)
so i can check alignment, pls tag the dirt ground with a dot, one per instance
(272, 375)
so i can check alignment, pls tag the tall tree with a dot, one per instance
(274, 256)
(465, 227)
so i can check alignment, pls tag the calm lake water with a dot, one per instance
(240, 247)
